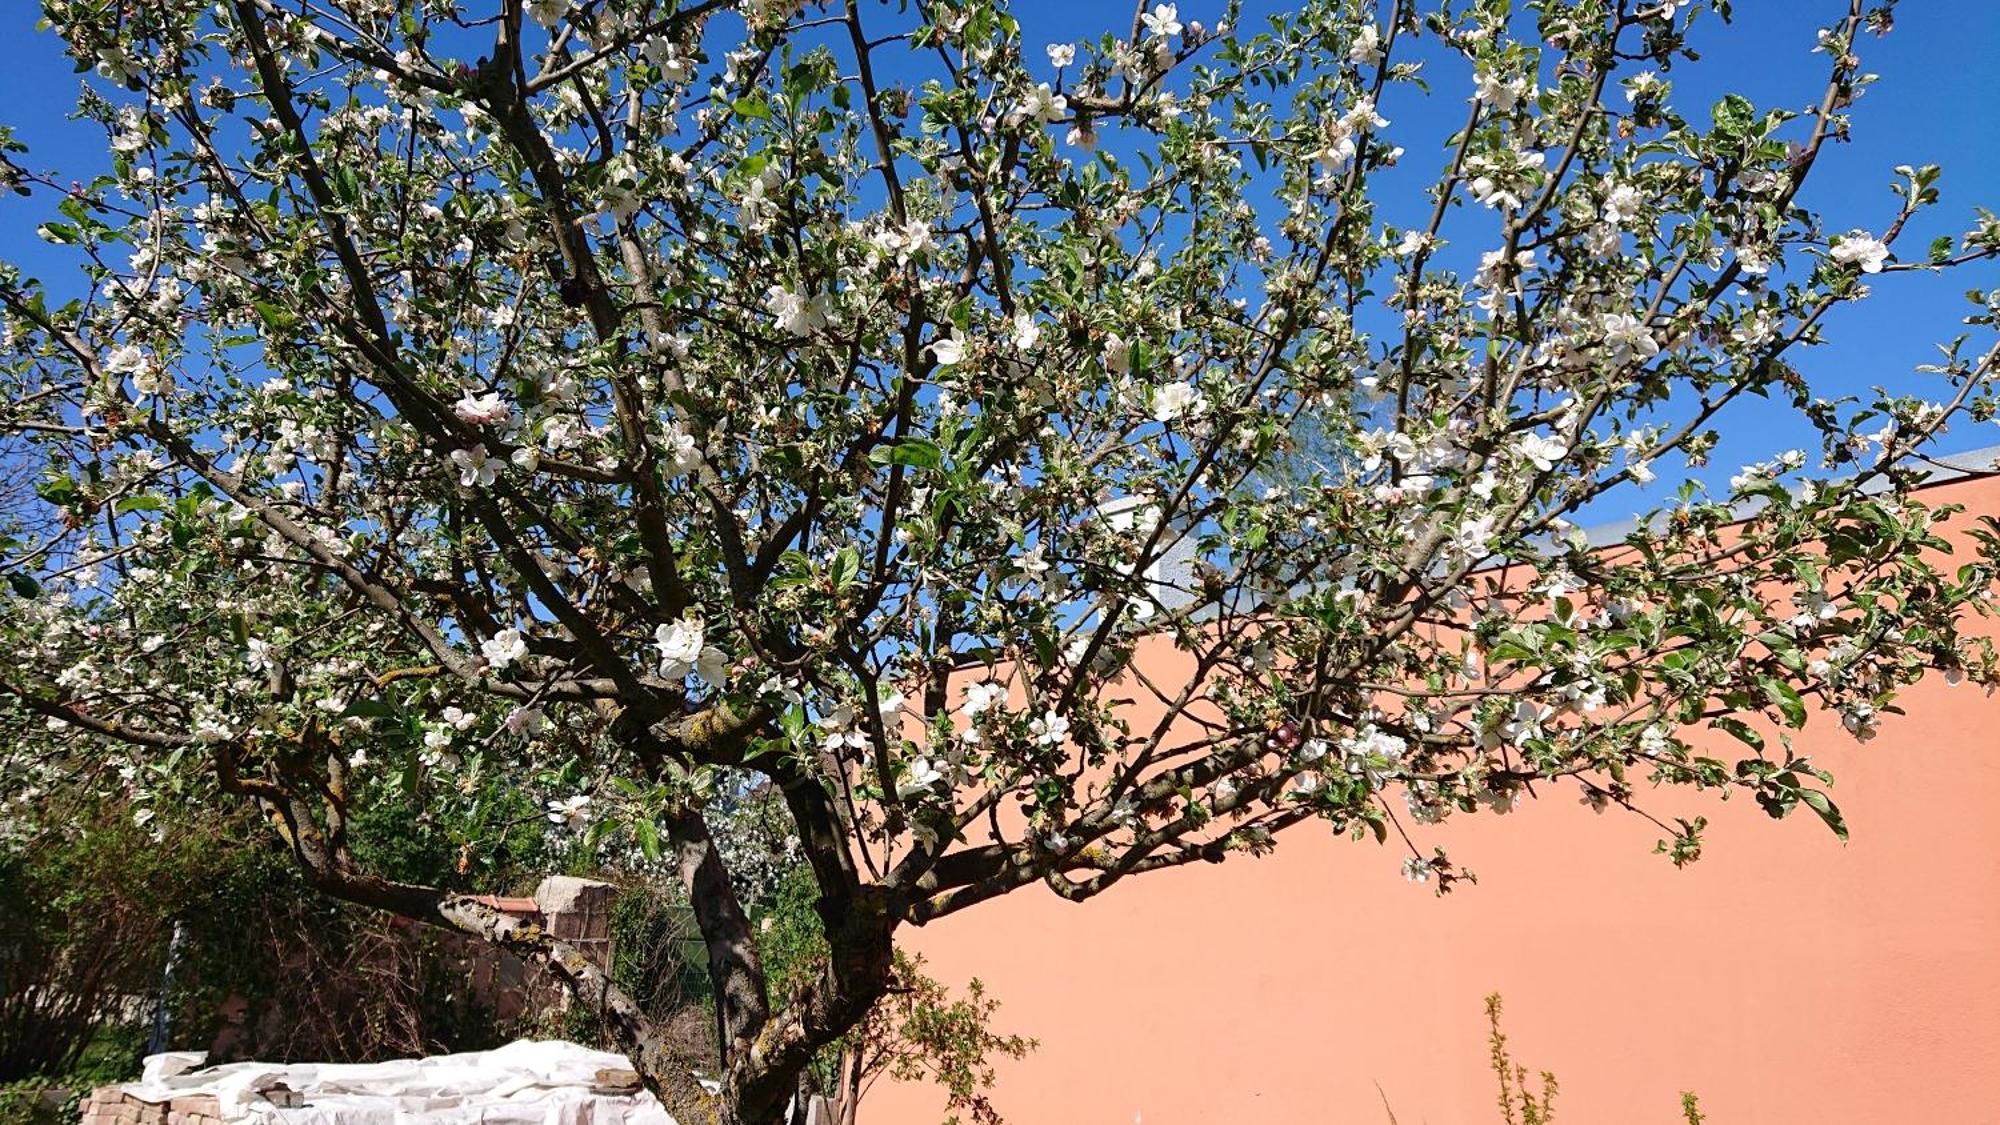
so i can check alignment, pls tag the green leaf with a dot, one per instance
(24, 584)
(846, 567)
(369, 709)
(1827, 810)
(918, 453)
(274, 318)
(1741, 731)
(1732, 115)
(1787, 700)
(752, 107)
(649, 838)
(794, 569)
(57, 489)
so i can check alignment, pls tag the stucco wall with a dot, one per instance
(1785, 977)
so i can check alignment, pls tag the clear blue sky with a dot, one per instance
(1935, 103)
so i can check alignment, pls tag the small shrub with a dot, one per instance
(1515, 1093)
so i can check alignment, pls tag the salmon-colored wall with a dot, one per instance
(1784, 977)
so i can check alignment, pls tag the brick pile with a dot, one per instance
(114, 1105)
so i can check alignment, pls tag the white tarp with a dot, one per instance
(547, 1082)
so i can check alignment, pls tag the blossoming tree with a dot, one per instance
(649, 398)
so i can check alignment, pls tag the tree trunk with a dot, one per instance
(742, 1005)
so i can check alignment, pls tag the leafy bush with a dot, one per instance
(98, 888)
(83, 940)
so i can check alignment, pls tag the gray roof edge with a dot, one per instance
(1940, 469)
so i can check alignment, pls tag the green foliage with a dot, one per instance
(56, 1099)
(920, 1033)
(36, 1102)
(657, 959)
(89, 912)
(1515, 1093)
(789, 934)
(490, 838)
(1514, 1078)
(96, 889)
(657, 953)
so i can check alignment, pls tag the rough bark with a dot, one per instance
(742, 1006)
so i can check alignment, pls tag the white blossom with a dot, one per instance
(683, 453)
(1628, 338)
(475, 468)
(503, 648)
(482, 410)
(1644, 84)
(981, 697)
(795, 314)
(1622, 205)
(684, 652)
(922, 774)
(948, 350)
(1027, 333)
(570, 812)
(1366, 50)
(136, 363)
(1541, 451)
(1049, 729)
(902, 241)
(1164, 20)
(548, 13)
(1116, 354)
(663, 53)
(1502, 94)
(1041, 105)
(1174, 401)
(525, 721)
(1861, 720)
(1859, 248)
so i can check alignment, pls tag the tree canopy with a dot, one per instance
(1039, 463)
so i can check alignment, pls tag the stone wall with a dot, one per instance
(575, 910)
(579, 912)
